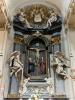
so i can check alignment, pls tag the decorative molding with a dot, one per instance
(56, 40)
(18, 39)
(30, 38)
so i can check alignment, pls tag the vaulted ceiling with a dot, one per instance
(62, 5)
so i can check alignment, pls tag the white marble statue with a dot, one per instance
(15, 64)
(59, 59)
(22, 18)
(52, 18)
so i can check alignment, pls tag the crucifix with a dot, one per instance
(37, 50)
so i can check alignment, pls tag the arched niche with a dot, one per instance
(37, 48)
(43, 38)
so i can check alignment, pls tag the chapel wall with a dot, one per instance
(72, 56)
(6, 47)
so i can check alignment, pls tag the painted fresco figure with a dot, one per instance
(31, 66)
(42, 66)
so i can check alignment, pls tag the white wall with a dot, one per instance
(8, 50)
(65, 4)
(71, 44)
(2, 42)
(6, 46)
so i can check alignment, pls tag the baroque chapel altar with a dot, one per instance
(37, 36)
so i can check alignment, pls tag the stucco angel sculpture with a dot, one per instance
(60, 59)
(15, 64)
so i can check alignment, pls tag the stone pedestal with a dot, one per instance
(38, 87)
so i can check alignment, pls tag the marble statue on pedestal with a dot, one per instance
(16, 67)
(15, 63)
(60, 60)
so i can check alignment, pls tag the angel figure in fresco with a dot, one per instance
(15, 64)
(42, 66)
(59, 59)
(52, 18)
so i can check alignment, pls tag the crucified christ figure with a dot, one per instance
(37, 50)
